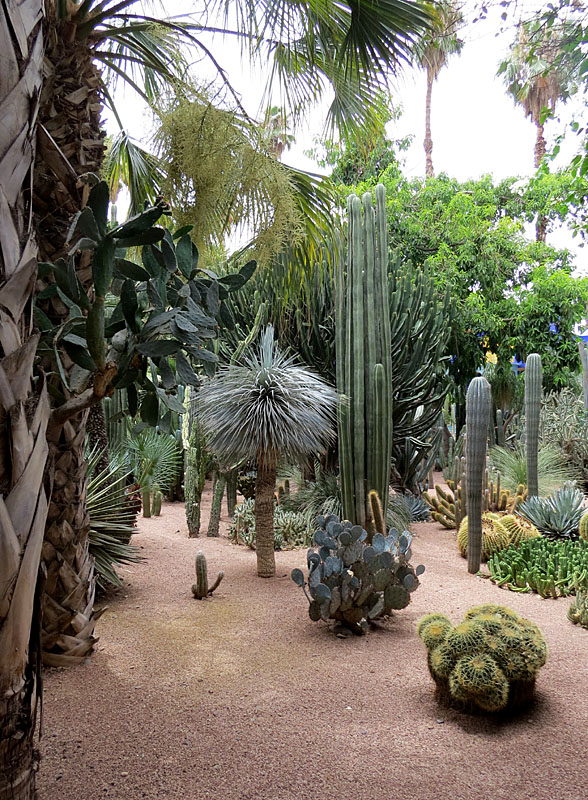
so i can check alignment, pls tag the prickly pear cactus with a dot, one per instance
(488, 662)
(355, 583)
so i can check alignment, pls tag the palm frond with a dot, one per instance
(155, 458)
(130, 165)
(553, 470)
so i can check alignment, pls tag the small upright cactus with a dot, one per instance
(478, 400)
(156, 502)
(200, 589)
(533, 384)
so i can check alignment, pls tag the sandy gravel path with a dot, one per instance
(242, 697)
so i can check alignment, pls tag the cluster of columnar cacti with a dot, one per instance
(201, 589)
(478, 403)
(578, 610)
(291, 529)
(352, 581)
(488, 662)
(364, 368)
(533, 387)
(550, 568)
(448, 507)
(498, 533)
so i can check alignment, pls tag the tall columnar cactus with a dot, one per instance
(533, 385)
(218, 491)
(478, 403)
(200, 589)
(364, 363)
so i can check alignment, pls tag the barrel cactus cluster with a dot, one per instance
(550, 568)
(488, 662)
(354, 582)
(498, 533)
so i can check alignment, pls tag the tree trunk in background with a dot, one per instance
(428, 143)
(70, 145)
(218, 490)
(23, 414)
(541, 224)
(265, 485)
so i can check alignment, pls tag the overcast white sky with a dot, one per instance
(475, 126)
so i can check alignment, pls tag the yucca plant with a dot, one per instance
(260, 409)
(112, 519)
(557, 516)
(155, 461)
(553, 470)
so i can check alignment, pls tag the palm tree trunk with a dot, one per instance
(98, 436)
(70, 145)
(23, 412)
(541, 224)
(265, 485)
(428, 143)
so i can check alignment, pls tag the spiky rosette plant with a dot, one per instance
(354, 582)
(488, 662)
(262, 408)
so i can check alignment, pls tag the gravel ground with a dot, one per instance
(242, 697)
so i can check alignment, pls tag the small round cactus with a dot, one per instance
(488, 662)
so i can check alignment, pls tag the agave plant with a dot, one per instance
(260, 409)
(155, 461)
(558, 516)
(553, 470)
(112, 519)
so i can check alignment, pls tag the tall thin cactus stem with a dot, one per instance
(533, 386)
(478, 403)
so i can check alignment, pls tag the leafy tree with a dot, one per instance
(259, 410)
(433, 51)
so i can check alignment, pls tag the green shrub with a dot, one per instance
(552, 467)
(486, 663)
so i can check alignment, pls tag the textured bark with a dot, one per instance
(98, 436)
(70, 145)
(264, 518)
(541, 224)
(23, 413)
(428, 142)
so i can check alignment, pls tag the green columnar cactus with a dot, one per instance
(488, 662)
(218, 490)
(201, 589)
(156, 502)
(231, 478)
(578, 610)
(499, 428)
(478, 402)
(533, 385)
(364, 364)
(379, 522)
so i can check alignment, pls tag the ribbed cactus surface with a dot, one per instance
(364, 364)
(478, 402)
(201, 589)
(533, 386)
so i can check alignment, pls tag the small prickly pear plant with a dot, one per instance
(488, 662)
(201, 589)
(354, 582)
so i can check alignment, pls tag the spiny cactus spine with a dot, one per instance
(533, 385)
(478, 402)
(201, 589)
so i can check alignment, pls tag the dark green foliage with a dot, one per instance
(112, 520)
(488, 662)
(353, 582)
(167, 313)
(550, 568)
(557, 516)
